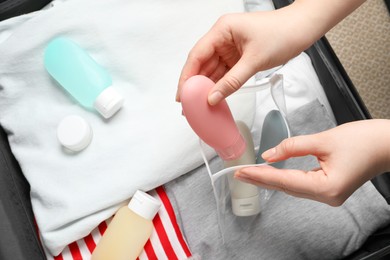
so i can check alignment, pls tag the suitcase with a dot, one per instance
(19, 238)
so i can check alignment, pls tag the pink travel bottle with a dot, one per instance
(213, 124)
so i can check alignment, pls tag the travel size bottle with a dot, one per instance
(274, 131)
(213, 124)
(88, 82)
(129, 230)
(244, 196)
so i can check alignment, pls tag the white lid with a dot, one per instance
(144, 205)
(108, 102)
(246, 206)
(74, 133)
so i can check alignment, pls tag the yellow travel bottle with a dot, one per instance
(129, 229)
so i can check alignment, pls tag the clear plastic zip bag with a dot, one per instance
(239, 204)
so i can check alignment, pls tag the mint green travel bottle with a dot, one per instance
(88, 82)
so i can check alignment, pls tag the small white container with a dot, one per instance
(74, 133)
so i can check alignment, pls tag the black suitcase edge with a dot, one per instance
(11, 8)
(19, 238)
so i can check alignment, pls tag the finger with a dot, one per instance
(200, 54)
(286, 180)
(276, 188)
(246, 179)
(293, 147)
(218, 73)
(210, 65)
(335, 202)
(232, 81)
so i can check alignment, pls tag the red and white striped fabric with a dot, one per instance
(166, 241)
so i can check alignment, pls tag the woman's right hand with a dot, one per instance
(238, 46)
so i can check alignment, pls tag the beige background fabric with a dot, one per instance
(362, 43)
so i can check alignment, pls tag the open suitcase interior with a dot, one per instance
(19, 239)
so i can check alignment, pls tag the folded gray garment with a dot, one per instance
(288, 227)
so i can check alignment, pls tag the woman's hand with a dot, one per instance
(349, 155)
(239, 45)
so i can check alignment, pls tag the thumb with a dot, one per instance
(293, 147)
(231, 81)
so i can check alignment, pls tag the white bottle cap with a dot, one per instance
(246, 206)
(144, 205)
(108, 102)
(74, 133)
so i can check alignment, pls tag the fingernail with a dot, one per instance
(243, 174)
(215, 97)
(269, 153)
